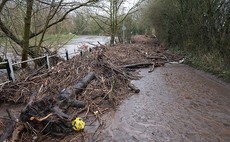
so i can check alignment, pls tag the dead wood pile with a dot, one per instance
(85, 86)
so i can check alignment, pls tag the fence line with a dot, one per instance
(3, 63)
(10, 69)
(29, 60)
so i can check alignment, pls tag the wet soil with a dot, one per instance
(176, 104)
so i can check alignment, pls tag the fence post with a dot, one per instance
(67, 55)
(47, 62)
(10, 70)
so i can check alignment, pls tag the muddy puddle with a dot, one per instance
(176, 104)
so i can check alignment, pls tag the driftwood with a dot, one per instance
(17, 131)
(143, 65)
(66, 97)
(134, 88)
(59, 113)
(82, 84)
(12, 128)
(32, 98)
(51, 110)
(139, 65)
(120, 71)
(152, 68)
(156, 57)
(9, 128)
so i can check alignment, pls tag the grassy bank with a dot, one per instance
(53, 40)
(211, 62)
(59, 37)
(49, 41)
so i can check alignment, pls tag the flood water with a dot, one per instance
(176, 104)
(73, 46)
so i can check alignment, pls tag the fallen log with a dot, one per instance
(59, 113)
(156, 57)
(65, 98)
(82, 84)
(139, 65)
(119, 71)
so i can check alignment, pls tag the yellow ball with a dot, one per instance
(78, 124)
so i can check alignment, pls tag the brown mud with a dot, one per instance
(176, 104)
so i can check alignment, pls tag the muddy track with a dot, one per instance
(177, 104)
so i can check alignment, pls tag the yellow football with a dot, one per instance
(78, 124)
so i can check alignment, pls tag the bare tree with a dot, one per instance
(109, 15)
(52, 8)
(26, 38)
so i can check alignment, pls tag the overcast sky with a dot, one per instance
(130, 3)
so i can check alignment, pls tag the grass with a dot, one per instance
(59, 37)
(211, 62)
(56, 40)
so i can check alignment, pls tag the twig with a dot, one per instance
(152, 68)
(87, 111)
(40, 89)
(41, 119)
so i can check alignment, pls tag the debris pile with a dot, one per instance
(86, 87)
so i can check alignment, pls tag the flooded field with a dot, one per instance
(72, 47)
(87, 40)
(176, 104)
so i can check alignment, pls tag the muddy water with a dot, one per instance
(176, 104)
(74, 45)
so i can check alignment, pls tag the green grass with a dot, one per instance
(53, 40)
(211, 62)
(57, 39)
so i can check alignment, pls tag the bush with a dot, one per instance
(199, 27)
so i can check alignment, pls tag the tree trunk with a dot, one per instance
(112, 39)
(26, 37)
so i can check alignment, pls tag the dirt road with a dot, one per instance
(176, 104)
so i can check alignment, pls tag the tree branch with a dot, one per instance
(62, 18)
